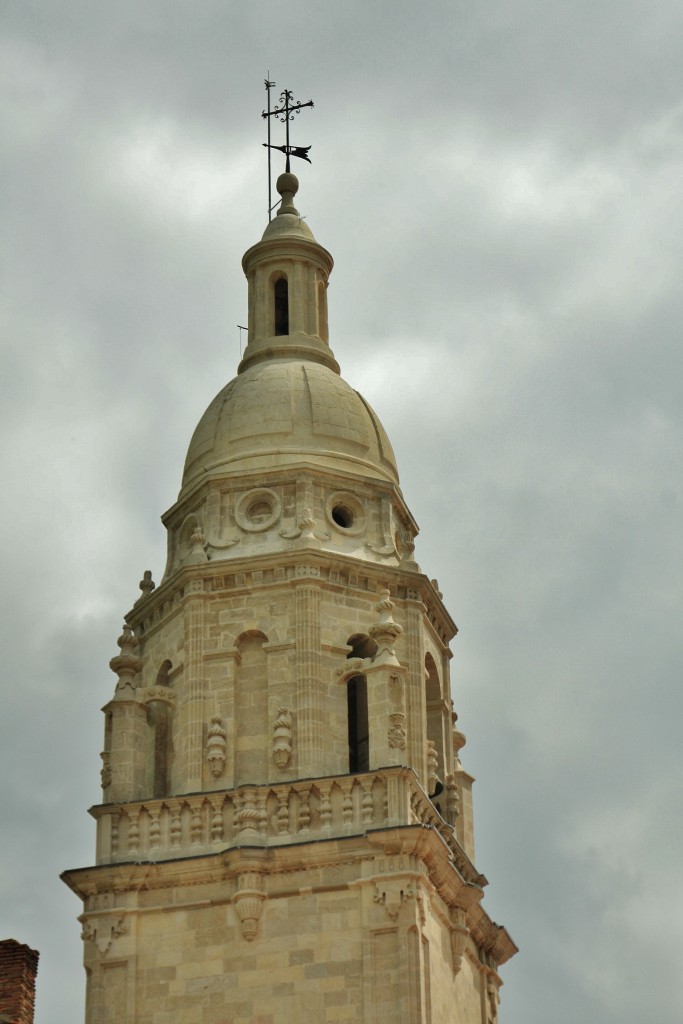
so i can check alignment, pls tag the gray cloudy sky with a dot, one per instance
(500, 186)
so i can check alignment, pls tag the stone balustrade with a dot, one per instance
(194, 824)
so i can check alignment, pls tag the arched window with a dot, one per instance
(162, 674)
(251, 709)
(281, 301)
(357, 710)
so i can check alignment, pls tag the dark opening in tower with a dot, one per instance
(281, 299)
(357, 707)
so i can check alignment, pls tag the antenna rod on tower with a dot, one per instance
(269, 86)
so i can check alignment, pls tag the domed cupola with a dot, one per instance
(288, 420)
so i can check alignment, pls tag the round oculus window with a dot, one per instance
(346, 513)
(258, 510)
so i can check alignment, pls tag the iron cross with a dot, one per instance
(285, 113)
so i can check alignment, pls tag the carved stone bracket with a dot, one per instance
(459, 935)
(216, 744)
(305, 532)
(282, 738)
(102, 931)
(105, 773)
(492, 994)
(397, 731)
(248, 900)
(407, 555)
(220, 545)
(392, 895)
(387, 548)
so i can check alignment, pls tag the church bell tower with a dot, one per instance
(286, 828)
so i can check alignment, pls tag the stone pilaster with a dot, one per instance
(310, 731)
(191, 754)
(415, 689)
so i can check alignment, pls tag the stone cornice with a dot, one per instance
(313, 859)
(330, 569)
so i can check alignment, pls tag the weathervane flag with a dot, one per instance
(301, 151)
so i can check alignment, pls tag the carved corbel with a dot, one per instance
(282, 738)
(407, 554)
(392, 895)
(492, 994)
(305, 532)
(102, 931)
(105, 773)
(216, 745)
(215, 545)
(248, 901)
(387, 548)
(397, 730)
(459, 936)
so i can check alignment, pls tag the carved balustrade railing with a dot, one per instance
(192, 824)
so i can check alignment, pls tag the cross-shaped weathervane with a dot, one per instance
(284, 112)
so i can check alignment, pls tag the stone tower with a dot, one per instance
(286, 828)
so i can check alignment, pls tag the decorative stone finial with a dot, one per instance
(459, 741)
(147, 584)
(126, 664)
(288, 186)
(385, 631)
(197, 553)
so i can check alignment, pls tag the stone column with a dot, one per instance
(296, 299)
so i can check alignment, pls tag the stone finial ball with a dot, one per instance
(287, 182)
